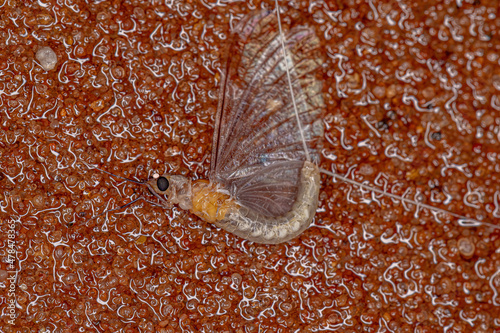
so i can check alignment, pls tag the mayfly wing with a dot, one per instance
(258, 150)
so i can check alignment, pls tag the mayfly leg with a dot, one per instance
(114, 209)
(112, 174)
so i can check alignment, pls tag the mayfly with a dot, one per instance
(264, 184)
(264, 180)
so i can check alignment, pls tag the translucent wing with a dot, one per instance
(258, 150)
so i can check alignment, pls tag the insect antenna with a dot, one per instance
(131, 202)
(164, 203)
(112, 174)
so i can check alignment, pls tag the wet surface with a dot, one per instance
(413, 108)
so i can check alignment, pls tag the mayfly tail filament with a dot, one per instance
(463, 220)
(292, 94)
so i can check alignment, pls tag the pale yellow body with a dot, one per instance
(209, 202)
(213, 204)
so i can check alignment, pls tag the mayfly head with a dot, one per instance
(171, 189)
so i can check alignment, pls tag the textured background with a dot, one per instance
(413, 94)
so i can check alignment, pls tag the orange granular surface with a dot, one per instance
(413, 99)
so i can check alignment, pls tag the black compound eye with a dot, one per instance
(162, 183)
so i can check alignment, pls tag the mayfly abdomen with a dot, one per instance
(258, 227)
